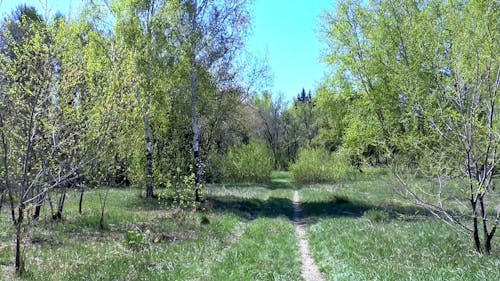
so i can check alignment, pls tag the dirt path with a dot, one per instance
(310, 271)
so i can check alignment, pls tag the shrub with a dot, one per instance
(248, 163)
(216, 170)
(319, 166)
(136, 240)
(179, 188)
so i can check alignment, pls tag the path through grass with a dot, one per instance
(357, 230)
(310, 271)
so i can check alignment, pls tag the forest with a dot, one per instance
(139, 141)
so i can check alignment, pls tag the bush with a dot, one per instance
(136, 240)
(319, 166)
(248, 163)
(179, 188)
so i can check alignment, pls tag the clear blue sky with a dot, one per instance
(284, 31)
(45, 7)
(287, 32)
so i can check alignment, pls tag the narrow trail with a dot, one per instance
(231, 241)
(310, 271)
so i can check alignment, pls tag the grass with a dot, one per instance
(178, 245)
(397, 251)
(361, 230)
(250, 258)
(358, 230)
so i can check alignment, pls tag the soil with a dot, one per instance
(310, 271)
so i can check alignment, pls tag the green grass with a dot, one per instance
(358, 230)
(361, 230)
(246, 223)
(265, 252)
(396, 250)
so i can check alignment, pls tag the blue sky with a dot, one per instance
(45, 7)
(287, 32)
(284, 31)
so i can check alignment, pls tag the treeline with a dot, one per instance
(152, 94)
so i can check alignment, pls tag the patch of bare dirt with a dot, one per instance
(309, 270)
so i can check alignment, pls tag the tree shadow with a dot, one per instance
(309, 212)
(340, 206)
(251, 209)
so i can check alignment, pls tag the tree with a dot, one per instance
(271, 129)
(464, 119)
(51, 125)
(299, 125)
(427, 72)
(137, 27)
(304, 113)
(146, 29)
(209, 35)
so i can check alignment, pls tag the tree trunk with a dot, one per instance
(489, 238)
(38, 207)
(103, 208)
(475, 229)
(149, 154)
(49, 199)
(60, 206)
(196, 135)
(6, 177)
(80, 202)
(18, 263)
(12, 207)
(147, 122)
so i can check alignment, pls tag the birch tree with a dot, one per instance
(209, 34)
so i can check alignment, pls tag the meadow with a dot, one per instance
(358, 230)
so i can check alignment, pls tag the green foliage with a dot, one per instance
(299, 126)
(319, 165)
(332, 106)
(179, 189)
(248, 163)
(425, 81)
(136, 239)
(362, 140)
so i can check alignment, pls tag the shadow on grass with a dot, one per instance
(252, 208)
(341, 206)
(310, 211)
(336, 206)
